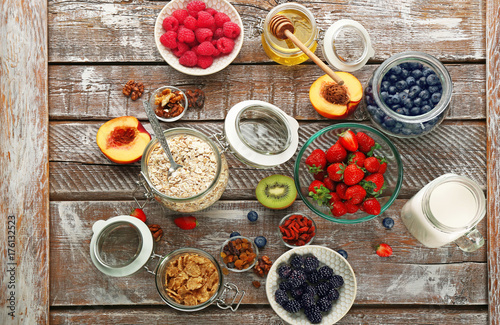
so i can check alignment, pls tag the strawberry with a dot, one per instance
(351, 208)
(319, 192)
(357, 158)
(319, 176)
(353, 175)
(374, 184)
(372, 164)
(340, 189)
(139, 214)
(383, 166)
(384, 250)
(329, 184)
(316, 161)
(335, 171)
(371, 206)
(338, 209)
(349, 141)
(365, 142)
(355, 194)
(186, 223)
(334, 198)
(336, 153)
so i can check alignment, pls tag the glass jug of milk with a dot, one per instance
(447, 210)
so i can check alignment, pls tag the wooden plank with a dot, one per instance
(123, 31)
(24, 188)
(79, 171)
(414, 274)
(95, 92)
(493, 154)
(265, 315)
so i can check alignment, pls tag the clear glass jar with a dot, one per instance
(284, 51)
(389, 119)
(201, 200)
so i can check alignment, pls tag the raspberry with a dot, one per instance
(218, 33)
(203, 34)
(169, 40)
(185, 35)
(221, 18)
(195, 49)
(188, 59)
(205, 61)
(216, 50)
(194, 7)
(225, 45)
(284, 271)
(190, 23)
(205, 19)
(206, 49)
(180, 15)
(231, 30)
(211, 11)
(181, 49)
(170, 23)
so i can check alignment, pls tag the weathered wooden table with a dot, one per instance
(50, 115)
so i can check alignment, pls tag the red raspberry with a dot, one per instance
(205, 20)
(205, 49)
(231, 30)
(225, 45)
(205, 61)
(170, 23)
(218, 33)
(193, 43)
(180, 15)
(169, 39)
(185, 35)
(221, 18)
(181, 49)
(188, 59)
(203, 34)
(211, 11)
(194, 7)
(216, 50)
(190, 23)
(195, 49)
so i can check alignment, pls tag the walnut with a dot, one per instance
(156, 231)
(169, 104)
(263, 266)
(256, 284)
(133, 89)
(196, 98)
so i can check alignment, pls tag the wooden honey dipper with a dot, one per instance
(282, 28)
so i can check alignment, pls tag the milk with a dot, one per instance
(443, 210)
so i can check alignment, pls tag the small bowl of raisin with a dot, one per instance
(239, 254)
(169, 103)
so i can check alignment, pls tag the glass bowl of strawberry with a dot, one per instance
(348, 173)
(297, 229)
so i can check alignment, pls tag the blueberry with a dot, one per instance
(401, 85)
(416, 73)
(406, 131)
(417, 101)
(400, 111)
(408, 103)
(415, 89)
(425, 109)
(412, 94)
(369, 90)
(393, 78)
(434, 89)
(421, 82)
(432, 80)
(388, 223)
(343, 253)
(406, 111)
(392, 90)
(426, 102)
(435, 98)
(260, 241)
(403, 95)
(396, 70)
(394, 108)
(372, 109)
(388, 100)
(252, 216)
(424, 94)
(395, 100)
(410, 81)
(384, 95)
(404, 73)
(396, 130)
(369, 100)
(427, 71)
(234, 233)
(389, 121)
(385, 85)
(415, 111)
(414, 65)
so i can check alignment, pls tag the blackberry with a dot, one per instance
(297, 262)
(285, 285)
(292, 306)
(324, 304)
(284, 271)
(313, 277)
(297, 278)
(323, 288)
(313, 314)
(333, 295)
(281, 297)
(297, 292)
(337, 281)
(307, 300)
(310, 290)
(311, 263)
(313, 309)
(325, 272)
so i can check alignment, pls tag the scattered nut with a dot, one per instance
(256, 284)
(196, 98)
(156, 231)
(133, 89)
(263, 266)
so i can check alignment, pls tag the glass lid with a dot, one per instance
(121, 245)
(261, 134)
(347, 45)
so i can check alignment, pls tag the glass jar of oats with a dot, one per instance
(193, 187)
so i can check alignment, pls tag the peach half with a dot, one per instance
(328, 98)
(123, 139)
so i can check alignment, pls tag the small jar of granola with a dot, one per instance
(193, 187)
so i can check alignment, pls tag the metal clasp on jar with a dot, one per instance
(228, 287)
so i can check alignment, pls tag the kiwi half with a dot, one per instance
(276, 192)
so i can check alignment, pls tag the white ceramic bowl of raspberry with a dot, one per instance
(220, 62)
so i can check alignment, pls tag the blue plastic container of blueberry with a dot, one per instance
(409, 94)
